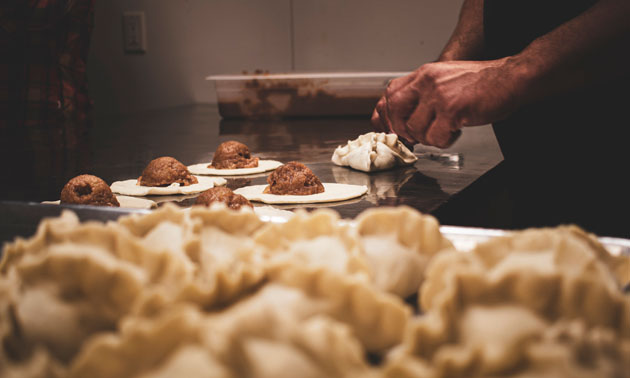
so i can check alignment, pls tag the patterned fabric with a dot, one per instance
(43, 55)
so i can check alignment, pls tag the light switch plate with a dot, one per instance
(134, 32)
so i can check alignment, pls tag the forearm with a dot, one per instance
(467, 40)
(587, 49)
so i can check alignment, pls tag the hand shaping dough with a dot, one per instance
(332, 193)
(129, 187)
(263, 166)
(374, 152)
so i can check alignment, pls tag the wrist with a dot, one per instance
(526, 77)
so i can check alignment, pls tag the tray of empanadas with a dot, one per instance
(216, 291)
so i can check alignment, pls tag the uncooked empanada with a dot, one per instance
(316, 239)
(493, 311)
(377, 318)
(398, 244)
(281, 331)
(213, 292)
(216, 241)
(556, 272)
(374, 152)
(509, 340)
(140, 345)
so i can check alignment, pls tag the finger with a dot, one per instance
(379, 119)
(400, 82)
(396, 105)
(420, 120)
(376, 120)
(407, 143)
(385, 119)
(443, 132)
(385, 126)
(399, 106)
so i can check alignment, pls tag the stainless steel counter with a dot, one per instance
(119, 148)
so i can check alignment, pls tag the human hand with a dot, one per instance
(433, 103)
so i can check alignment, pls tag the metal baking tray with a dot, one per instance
(466, 238)
(22, 219)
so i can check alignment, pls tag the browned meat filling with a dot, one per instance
(231, 155)
(225, 195)
(88, 190)
(293, 178)
(165, 171)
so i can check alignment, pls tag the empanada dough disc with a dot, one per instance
(333, 192)
(129, 187)
(271, 214)
(263, 166)
(135, 202)
(125, 202)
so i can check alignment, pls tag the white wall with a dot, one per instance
(188, 40)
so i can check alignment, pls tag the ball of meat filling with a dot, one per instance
(88, 190)
(165, 171)
(231, 155)
(225, 195)
(293, 178)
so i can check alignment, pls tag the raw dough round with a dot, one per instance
(129, 187)
(263, 166)
(272, 214)
(333, 192)
(135, 202)
(124, 201)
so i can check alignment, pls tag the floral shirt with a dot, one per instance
(43, 56)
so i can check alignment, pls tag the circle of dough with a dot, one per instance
(333, 192)
(129, 187)
(125, 202)
(263, 166)
(135, 202)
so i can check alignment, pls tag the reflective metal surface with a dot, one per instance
(119, 148)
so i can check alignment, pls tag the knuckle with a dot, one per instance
(427, 74)
(389, 91)
(449, 109)
(376, 119)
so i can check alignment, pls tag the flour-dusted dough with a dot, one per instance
(129, 187)
(124, 201)
(271, 214)
(333, 192)
(135, 203)
(264, 212)
(525, 304)
(263, 166)
(208, 291)
(374, 152)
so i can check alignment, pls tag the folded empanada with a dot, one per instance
(374, 152)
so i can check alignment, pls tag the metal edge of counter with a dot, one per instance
(22, 219)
